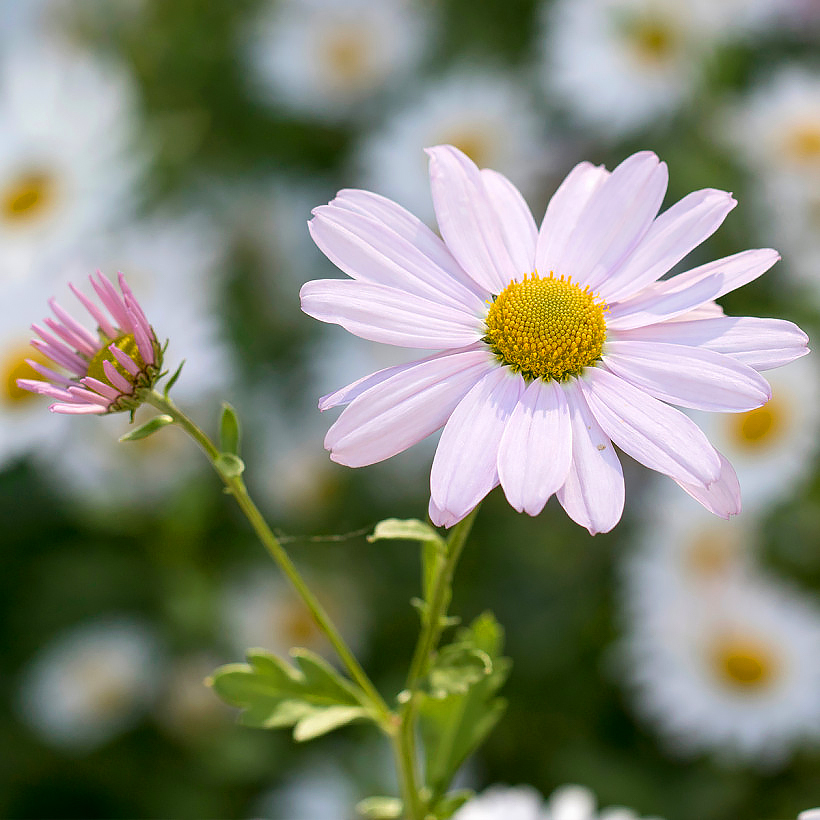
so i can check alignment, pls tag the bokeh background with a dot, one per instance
(672, 665)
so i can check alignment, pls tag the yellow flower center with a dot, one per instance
(128, 344)
(653, 41)
(474, 142)
(546, 328)
(745, 664)
(14, 366)
(758, 428)
(711, 554)
(347, 50)
(26, 196)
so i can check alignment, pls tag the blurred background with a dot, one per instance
(672, 665)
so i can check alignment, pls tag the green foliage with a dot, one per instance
(380, 808)
(148, 429)
(462, 708)
(451, 803)
(229, 430)
(311, 696)
(173, 380)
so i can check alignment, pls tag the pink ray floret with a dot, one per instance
(662, 341)
(102, 377)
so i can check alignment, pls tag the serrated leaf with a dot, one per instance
(149, 428)
(457, 667)
(230, 465)
(380, 808)
(311, 696)
(454, 726)
(229, 430)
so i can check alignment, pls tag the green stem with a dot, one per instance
(433, 623)
(237, 488)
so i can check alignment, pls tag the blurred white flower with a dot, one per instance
(621, 65)
(326, 57)
(736, 673)
(489, 115)
(773, 447)
(260, 610)
(809, 814)
(91, 683)
(525, 803)
(67, 168)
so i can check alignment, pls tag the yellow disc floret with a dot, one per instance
(546, 327)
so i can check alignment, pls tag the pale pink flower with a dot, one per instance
(555, 343)
(106, 370)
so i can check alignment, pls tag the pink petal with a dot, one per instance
(59, 356)
(131, 302)
(442, 518)
(71, 339)
(44, 389)
(464, 468)
(111, 299)
(50, 374)
(656, 435)
(386, 315)
(614, 220)
(653, 304)
(688, 376)
(99, 316)
(87, 396)
(124, 360)
(593, 494)
(116, 379)
(675, 233)
(515, 218)
(346, 394)
(101, 387)
(721, 497)
(562, 214)
(146, 349)
(368, 251)
(759, 343)
(405, 408)
(467, 219)
(535, 451)
(410, 228)
(77, 409)
(86, 338)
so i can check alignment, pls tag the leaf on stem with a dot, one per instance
(453, 726)
(173, 380)
(148, 429)
(229, 430)
(230, 465)
(380, 808)
(310, 696)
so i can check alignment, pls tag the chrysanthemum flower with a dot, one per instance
(555, 342)
(106, 371)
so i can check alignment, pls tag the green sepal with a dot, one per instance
(229, 465)
(433, 546)
(311, 696)
(454, 726)
(148, 429)
(380, 808)
(229, 430)
(173, 380)
(451, 803)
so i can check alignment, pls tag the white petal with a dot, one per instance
(563, 211)
(514, 215)
(656, 435)
(688, 376)
(408, 406)
(593, 494)
(464, 468)
(615, 219)
(536, 447)
(386, 315)
(676, 232)
(722, 497)
(467, 220)
(759, 343)
(653, 305)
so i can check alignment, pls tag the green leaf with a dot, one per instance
(310, 696)
(148, 429)
(173, 380)
(451, 803)
(380, 808)
(433, 546)
(452, 727)
(457, 667)
(229, 430)
(230, 465)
